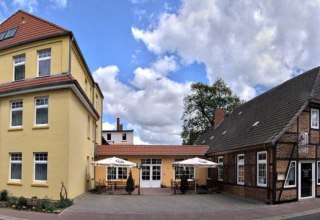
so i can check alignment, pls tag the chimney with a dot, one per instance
(118, 124)
(121, 127)
(218, 117)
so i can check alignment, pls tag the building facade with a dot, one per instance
(50, 110)
(118, 136)
(268, 148)
(155, 161)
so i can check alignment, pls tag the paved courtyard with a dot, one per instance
(161, 205)
(164, 204)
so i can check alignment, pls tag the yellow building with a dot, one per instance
(50, 110)
(155, 161)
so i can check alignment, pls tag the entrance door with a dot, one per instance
(150, 173)
(306, 186)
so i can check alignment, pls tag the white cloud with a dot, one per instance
(137, 141)
(108, 126)
(59, 3)
(247, 43)
(30, 5)
(152, 103)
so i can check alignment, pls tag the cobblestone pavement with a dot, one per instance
(167, 207)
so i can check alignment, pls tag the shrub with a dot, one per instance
(22, 201)
(184, 186)
(64, 203)
(4, 195)
(12, 200)
(130, 184)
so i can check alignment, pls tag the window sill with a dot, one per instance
(36, 127)
(289, 187)
(39, 184)
(15, 129)
(14, 183)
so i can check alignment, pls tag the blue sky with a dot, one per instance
(145, 53)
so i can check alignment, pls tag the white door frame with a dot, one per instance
(151, 183)
(313, 186)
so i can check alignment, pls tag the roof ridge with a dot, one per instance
(283, 83)
(316, 81)
(41, 19)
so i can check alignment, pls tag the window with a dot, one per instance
(15, 166)
(108, 137)
(189, 171)
(93, 129)
(220, 168)
(262, 168)
(88, 127)
(291, 175)
(97, 101)
(124, 136)
(41, 111)
(315, 118)
(40, 166)
(44, 62)
(318, 181)
(240, 169)
(16, 113)
(10, 33)
(114, 173)
(19, 67)
(86, 86)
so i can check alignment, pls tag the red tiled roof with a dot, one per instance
(29, 27)
(139, 150)
(35, 82)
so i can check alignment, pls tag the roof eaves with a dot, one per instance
(36, 39)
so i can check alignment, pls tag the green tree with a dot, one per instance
(184, 186)
(199, 108)
(130, 184)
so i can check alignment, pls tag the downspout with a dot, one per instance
(72, 38)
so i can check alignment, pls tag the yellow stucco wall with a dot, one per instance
(167, 172)
(81, 150)
(59, 58)
(52, 139)
(79, 71)
(70, 152)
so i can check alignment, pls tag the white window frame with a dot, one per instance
(117, 173)
(23, 62)
(42, 59)
(262, 162)
(295, 175)
(14, 162)
(16, 109)
(220, 167)
(318, 176)
(39, 162)
(38, 107)
(240, 163)
(317, 122)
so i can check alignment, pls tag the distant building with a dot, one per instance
(118, 136)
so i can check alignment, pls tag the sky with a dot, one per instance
(146, 53)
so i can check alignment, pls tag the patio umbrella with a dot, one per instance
(114, 162)
(195, 162)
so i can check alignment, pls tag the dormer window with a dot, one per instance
(315, 118)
